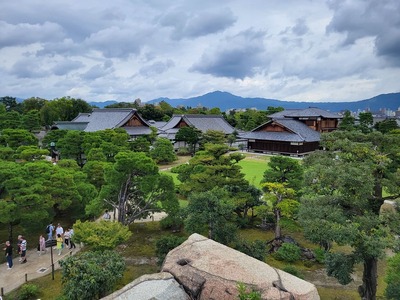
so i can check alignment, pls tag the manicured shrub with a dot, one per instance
(256, 249)
(319, 255)
(28, 291)
(293, 270)
(288, 252)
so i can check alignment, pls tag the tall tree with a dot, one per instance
(342, 199)
(190, 135)
(211, 211)
(285, 170)
(136, 188)
(163, 151)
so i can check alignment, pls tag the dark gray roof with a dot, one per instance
(297, 132)
(137, 130)
(201, 122)
(70, 125)
(307, 112)
(109, 118)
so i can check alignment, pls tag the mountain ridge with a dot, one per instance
(225, 101)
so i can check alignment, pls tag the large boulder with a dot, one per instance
(209, 270)
(158, 286)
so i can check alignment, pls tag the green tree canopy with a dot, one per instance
(135, 187)
(102, 235)
(91, 275)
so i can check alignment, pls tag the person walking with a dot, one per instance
(59, 243)
(71, 238)
(42, 245)
(107, 216)
(67, 238)
(23, 248)
(49, 231)
(8, 249)
(59, 230)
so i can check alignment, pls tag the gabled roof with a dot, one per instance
(304, 113)
(201, 122)
(296, 132)
(101, 119)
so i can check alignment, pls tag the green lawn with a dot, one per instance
(254, 168)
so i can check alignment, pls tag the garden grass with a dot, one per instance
(254, 168)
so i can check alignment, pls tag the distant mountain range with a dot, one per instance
(226, 101)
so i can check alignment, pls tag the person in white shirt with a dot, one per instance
(59, 230)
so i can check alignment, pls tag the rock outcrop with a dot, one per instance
(203, 269)
(159, 286)
(209, 270)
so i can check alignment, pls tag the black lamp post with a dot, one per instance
(52, 262)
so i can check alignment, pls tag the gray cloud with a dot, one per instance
(239, 56)
(118, 42)
(191, 25)
(25, 34)
(156, 68)
(300, 28)
(28, 68)
(66, 66)
(369, 18)
(99, 70)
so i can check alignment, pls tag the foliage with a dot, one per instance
(386, 126)
(190, 135)
(348, 121)
(286, 170)
(211, 211)
(319, 254)
(293, 270)
(90, 275)
(244, 294)
(342, 200)
(135, 187)
(163, 151)
(101, 235)
(281, 201)
(28, 291)
(212, 137)
(140, 144)
(288, 252)
(393, 278)
(256, 249)
(340, 266)
(165, 244)
(15, 138)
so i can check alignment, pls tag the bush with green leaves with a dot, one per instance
(288, 252)
(319, 255)
(28, 291)
(256, 249)
(393, 278)
(91, 275)
(293, 270)
(101, 235)
(166, 244)
(245, 294)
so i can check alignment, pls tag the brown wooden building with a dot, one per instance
(292, 132)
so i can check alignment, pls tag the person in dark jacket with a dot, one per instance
(9, 249)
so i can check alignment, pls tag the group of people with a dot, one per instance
(21, 245)
(63, 239)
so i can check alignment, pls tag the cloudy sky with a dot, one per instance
(309, 50)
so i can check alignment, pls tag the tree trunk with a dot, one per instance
(278, 232)
(367, 290)
(10, 232)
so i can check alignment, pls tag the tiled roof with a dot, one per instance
(201, 122)
(138, 130)
(108, 118)
(70, 125)
(307, 112)
(297, 132)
